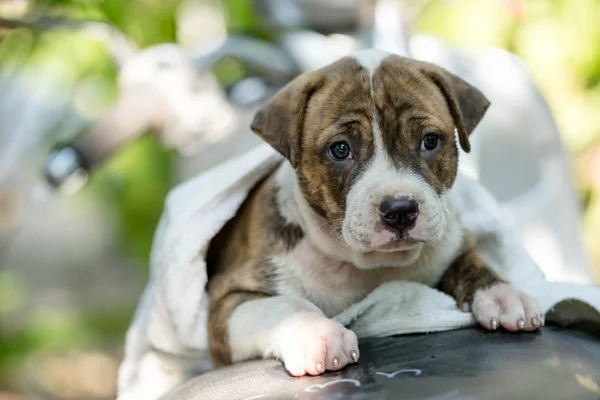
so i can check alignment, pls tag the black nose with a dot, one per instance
(399, 212)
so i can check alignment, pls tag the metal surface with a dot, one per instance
(465, 364)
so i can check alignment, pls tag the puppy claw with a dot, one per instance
(534, 321)
(336, 362)
(354, 356)
(494, 324)
(521, 324)
(320, 367)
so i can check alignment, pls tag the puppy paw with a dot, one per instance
(317, 344)
(506, 306)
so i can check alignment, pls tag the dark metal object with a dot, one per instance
(63, 164)
(465, 364)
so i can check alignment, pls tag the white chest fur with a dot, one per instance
(335, 285)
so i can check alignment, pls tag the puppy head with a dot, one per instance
(372, 140)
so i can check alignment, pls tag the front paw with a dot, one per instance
(504, 305)
(312, 345)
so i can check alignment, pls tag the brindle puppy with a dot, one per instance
(361, 199)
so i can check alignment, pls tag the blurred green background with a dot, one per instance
(66, 342)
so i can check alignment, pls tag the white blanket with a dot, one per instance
(167, 341)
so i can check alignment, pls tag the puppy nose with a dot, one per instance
(399, 212)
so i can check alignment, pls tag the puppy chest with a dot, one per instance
(331, 285)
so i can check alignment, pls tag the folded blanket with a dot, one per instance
(167, 341)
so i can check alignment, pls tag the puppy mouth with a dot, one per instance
(398, 245)
(388, 241)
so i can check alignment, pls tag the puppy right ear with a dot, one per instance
(280, 121)
(466, 103)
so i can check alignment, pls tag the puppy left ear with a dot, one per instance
(280, 121)
(466, 103)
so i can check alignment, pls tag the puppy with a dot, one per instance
(370, 147)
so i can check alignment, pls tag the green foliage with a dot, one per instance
(242, 18)
(144, 22)
(54, 332)
(458, 21)
(135, 183)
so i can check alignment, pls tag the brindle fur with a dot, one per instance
(238, 266)
(238, 262)
(467, 274)
(317, 109)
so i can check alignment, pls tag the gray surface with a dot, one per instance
(465, 364)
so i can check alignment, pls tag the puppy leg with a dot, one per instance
(288, 328)
(493, 301)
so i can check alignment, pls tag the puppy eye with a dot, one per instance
(429, 142)
(340, 151)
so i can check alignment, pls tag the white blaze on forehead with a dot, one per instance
(370, 58)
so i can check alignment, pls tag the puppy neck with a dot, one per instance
(295, 209)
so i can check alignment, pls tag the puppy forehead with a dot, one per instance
(348, 88)
(374, 80)
(385, 72)
(344, 95)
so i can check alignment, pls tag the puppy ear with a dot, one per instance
(280, 121)
(466, 103)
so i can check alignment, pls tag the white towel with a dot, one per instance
(167, 340)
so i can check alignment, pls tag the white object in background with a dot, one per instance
(199, 111)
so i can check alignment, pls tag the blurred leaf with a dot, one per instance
(16, 46)
(228, 71)
(242, 18)
(145, 22)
